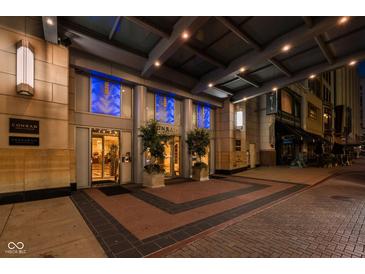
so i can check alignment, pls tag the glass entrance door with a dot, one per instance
(171, 163)
(105, 155)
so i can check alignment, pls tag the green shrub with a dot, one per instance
(198, 140)
(154, 143)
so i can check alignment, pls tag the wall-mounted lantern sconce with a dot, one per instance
(24, 68)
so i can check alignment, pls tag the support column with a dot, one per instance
(139, 118)
(187, 126)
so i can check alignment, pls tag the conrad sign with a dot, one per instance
(23, 126)
(167, 129)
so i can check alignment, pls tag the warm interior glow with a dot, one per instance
(157, 63)
(210, 85)
(274, 88)
(312, 76)
(242, 69)
(245, 99)
(286, 48)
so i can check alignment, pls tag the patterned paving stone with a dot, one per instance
(117, 241)
(325, 221)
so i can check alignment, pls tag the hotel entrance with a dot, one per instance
(171, 163)
(105, 147)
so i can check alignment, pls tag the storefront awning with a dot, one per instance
(298, 133)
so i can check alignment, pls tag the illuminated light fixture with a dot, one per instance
(123, 90)
(244, 99)
(242, 69)
(185, 35)
(210, 85)
(49, 21)
(157, 63)
(286, 48)
(312, 76)
(274, 88)
(24, 68)
(352, 63)
(343, 20)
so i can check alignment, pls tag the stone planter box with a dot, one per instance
(153, 180)
(200, 174)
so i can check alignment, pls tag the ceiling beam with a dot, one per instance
(301, 75)
(168, 46)
(205, 56)
(142, 23)
(295, 37)
(50, 29)
(319, 41)
(324, 49)
(279, 66)
(99, 45)
(224, 90)
(114, 28)
(308, 21)
(248, 80)
(164, 34)
(240, 34)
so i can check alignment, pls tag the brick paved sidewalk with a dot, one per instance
(327, 220)
(308, 176)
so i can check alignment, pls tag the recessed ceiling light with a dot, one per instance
(274, 88)
(49, 21)
(343, 20)
(286, 48)
(352, 63)
(245, 99)
(312, 76)
(242, 69)
(157, 63)
(210, 85)
(185, 35)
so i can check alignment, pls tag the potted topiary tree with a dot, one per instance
(198, 141)
(154, 144)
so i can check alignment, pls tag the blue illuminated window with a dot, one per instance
(203, 116)
(105, 97)
(165, 109)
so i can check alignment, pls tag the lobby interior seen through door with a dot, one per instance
(171, 163)
(105, 147)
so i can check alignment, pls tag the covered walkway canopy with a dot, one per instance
(233, 57)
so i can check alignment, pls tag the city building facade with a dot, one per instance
(85, 113)
(71, 119)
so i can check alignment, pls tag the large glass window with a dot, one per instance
(203, 116)
(165, 109)
(313, 111)
(327, 119)
(105, 96)
(286, 102)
